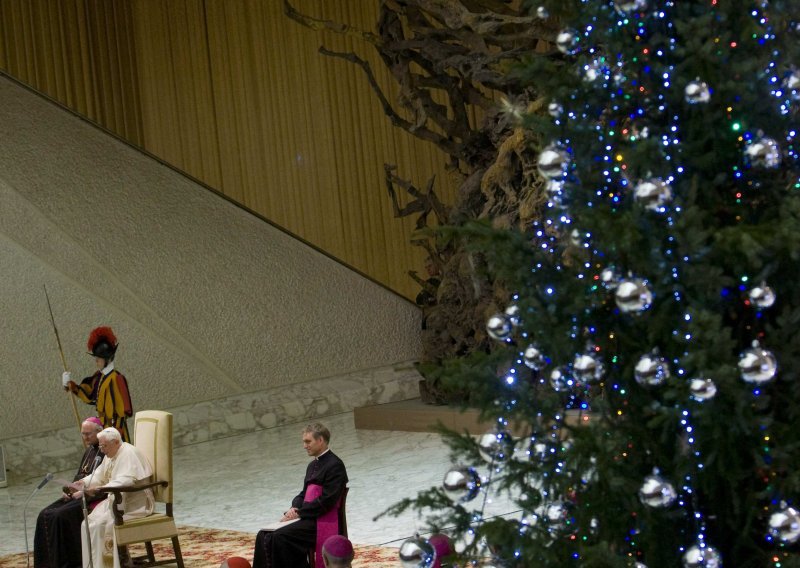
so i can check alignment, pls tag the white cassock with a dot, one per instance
(125, 468)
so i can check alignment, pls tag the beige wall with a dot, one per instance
(235, 94)
(207, 299)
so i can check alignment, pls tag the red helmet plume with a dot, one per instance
(102, 342)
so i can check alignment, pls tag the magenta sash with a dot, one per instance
(327, 524)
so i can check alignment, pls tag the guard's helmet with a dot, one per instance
(102, 343)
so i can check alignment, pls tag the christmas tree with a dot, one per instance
(644, 376)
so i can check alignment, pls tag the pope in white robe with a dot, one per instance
(123, 465)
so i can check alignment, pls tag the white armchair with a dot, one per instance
(152, 435)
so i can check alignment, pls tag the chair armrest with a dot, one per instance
(138, 486)
(118, 491)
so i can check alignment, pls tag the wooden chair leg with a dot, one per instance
(176, 548)
(124, 558)
(150, 556)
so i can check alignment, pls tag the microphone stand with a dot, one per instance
(86, 511)
(44, 482)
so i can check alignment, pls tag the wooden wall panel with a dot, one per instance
(175, 86)
(75, 52)
(236, 95)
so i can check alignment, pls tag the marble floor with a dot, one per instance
(242, 482)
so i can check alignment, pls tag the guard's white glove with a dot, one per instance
(66, 379)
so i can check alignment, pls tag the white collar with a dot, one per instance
(108, 368)
(322, 454)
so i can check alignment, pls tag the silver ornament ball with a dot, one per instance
(762, 296)
(657, 492)
(499, 327)
(702, 389)
(785, 525)
(764, 153)
(579, 238)
(702, 557)
(555, 514)
(697, 92)
(592, 71)
(513, 314)
(588, 368)
(651, 370)
(568, 41)
(633, 295)
(757, 365)
(560, 380)
(553, 161)
(628, 6)
(653, 194)
(461, 484)
(495, 446)
(609, 277)
(533, 358)
(555, 110)
(416, 552)
(542, 13)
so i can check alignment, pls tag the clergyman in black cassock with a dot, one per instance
(57, 542)
(288, 546)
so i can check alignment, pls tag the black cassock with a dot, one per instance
(57, 543)
(288, 546)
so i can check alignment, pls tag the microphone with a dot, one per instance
(44, 482)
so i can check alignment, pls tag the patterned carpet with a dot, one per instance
(205, 548)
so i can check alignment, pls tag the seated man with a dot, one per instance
(56, 543)
(337, 552)
(326, 478)
(123, 465)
